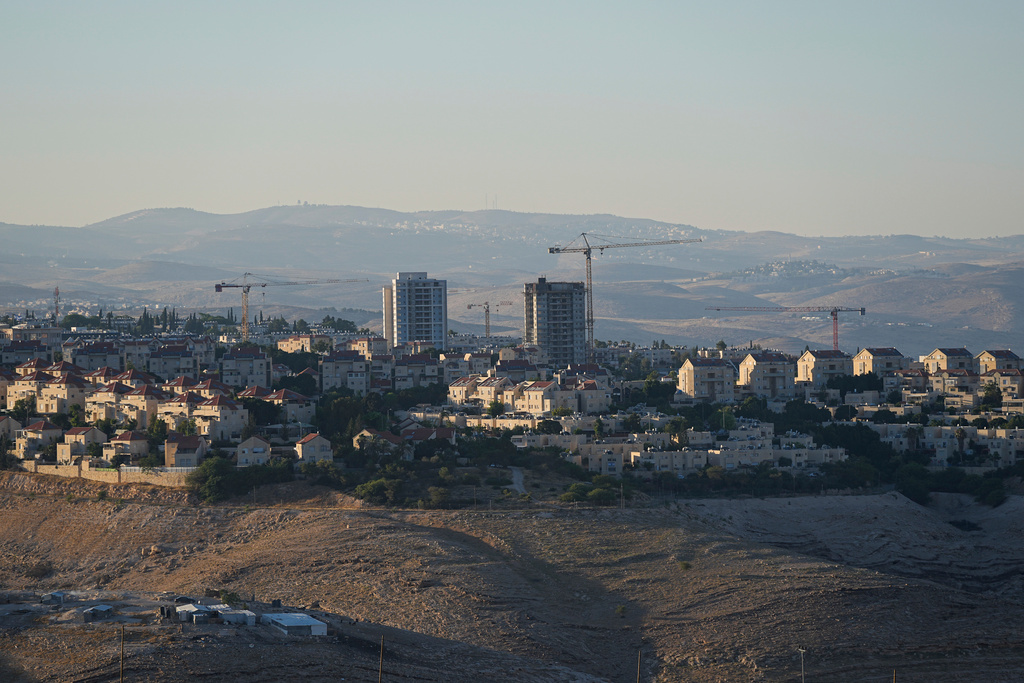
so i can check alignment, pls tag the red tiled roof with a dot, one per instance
(131, 436)
(254, 392)
(307, 438)
(41, 425)
(286, 395)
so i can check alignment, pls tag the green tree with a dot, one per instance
(549, 427)
(495, 408)
(23, 409)
(157, 431)
(992, 397)
(76, 414)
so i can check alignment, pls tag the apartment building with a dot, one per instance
(707, 379)
(767, 373)
(816, 368)
(881, 360)
(556, 320)
(416, 310)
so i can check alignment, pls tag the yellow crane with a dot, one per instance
(250, 280)
(487, 313)
(587, 250)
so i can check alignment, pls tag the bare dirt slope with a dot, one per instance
(549, 594)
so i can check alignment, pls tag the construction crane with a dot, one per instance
(487, 313)
(246, 284)
(587, 250)
(833, 311)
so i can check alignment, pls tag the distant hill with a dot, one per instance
(920, 290)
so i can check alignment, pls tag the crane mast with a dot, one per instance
(588, 250)
(487, 313)
(247, 284)
(833, 311)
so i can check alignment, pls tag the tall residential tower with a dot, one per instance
(556, 320)
(416, 310)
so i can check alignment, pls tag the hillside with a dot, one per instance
(705, 590)
(919, 292)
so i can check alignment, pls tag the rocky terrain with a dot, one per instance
(708, 590)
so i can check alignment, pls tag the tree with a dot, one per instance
(549, 427)
(23, 409)
(598, 428)
(157, 431)
(495, 408)
(76, 414)
(992, 397)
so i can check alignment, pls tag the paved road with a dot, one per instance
(517, 480)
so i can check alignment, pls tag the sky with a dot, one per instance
(815, 118)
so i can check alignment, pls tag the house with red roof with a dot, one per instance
(314, 448)
(9, 427)
(220, 418)
(60, 394)
(104, 403)
(178, 410)
(27, 386)
(131, 446)
(253, 451)
(141, 404)
(184, 451)
(418, 435)
(76, 444)
(31, 440)
(294, 406)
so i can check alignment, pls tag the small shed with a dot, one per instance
(196, 614)
(97, 613)
(55, 598)
(296, 624)
(238, 616)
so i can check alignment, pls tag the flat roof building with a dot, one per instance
(416, 310)
(296, 624)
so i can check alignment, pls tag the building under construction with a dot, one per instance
(556, 320)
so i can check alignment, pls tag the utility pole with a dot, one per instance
(122, 653)
(380, 668)
(801, 651)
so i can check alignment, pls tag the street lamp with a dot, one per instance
(801, 651)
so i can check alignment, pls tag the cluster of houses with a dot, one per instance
(954, 373)
(202, 400)
(750, 444)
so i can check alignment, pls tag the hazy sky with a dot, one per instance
(808, 117)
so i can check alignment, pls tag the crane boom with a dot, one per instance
(246, 284)
(833, 311)
(587, 250)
